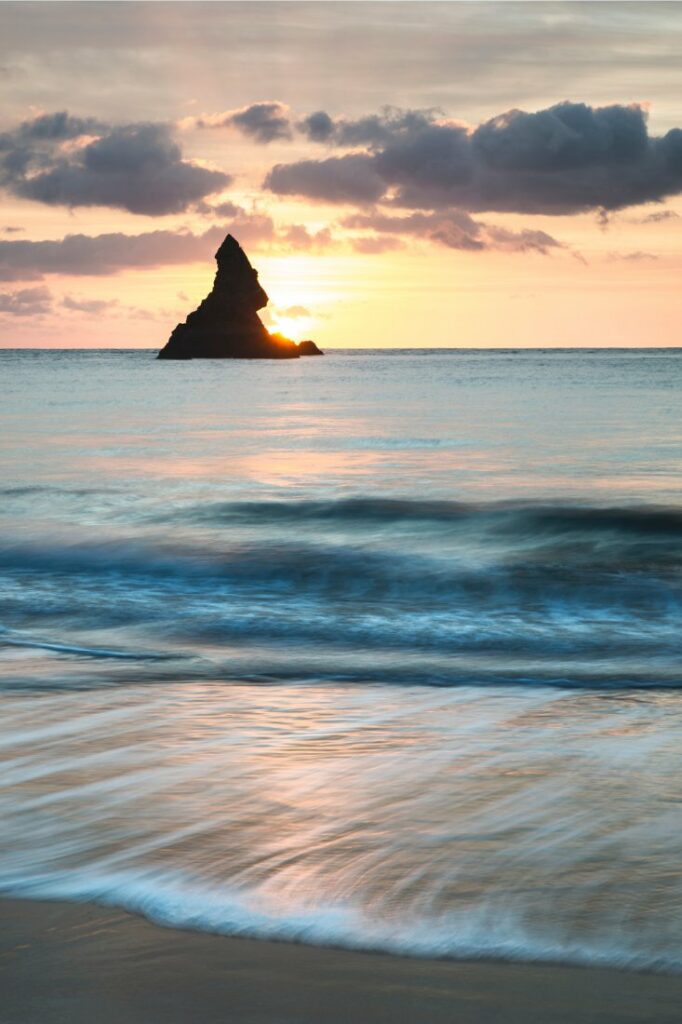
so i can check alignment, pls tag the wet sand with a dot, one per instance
(70, 963)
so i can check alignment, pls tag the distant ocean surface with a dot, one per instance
(380, 650)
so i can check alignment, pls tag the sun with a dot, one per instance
(288, 327)
(293, 322)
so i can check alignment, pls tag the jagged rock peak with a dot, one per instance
(235, 273)
(230, 249)
(226, 324)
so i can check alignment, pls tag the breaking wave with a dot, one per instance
(381, 590)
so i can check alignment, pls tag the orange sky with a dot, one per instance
(532, 265)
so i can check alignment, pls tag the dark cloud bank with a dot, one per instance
(135, 167)
(567, 159)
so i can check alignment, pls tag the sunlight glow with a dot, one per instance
(296, 328)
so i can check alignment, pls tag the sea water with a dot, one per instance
(380, 650)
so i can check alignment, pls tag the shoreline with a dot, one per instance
(80, 962)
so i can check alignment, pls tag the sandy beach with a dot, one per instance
(64, 962)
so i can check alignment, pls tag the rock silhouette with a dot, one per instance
(309, 348)
(226, 325)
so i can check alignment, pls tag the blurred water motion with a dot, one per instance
(380, 650)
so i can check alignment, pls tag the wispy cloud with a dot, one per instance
(454, 229)
(26, 302)
(111, 253)
(657, 217)
(638, 256)
(96, 307)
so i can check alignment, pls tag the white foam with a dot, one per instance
(173, 902)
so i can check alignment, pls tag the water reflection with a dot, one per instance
(529, 824)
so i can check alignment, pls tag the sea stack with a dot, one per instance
(226, 325)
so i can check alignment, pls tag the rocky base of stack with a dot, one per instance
(187, 342)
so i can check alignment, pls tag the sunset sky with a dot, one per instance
(410, 174)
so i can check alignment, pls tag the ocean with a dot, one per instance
(380, 650)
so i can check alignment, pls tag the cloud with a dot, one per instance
(526, 240)
(454, 229)
(633, 257)
(8, 273)
(270, 120)
(294, 312)
(276, 316)
(26, 302)
(94, 255)
(372, 245)
(374, 130)
(566, 136)
(88, 305)
(60, 160)
(297, 236)
(318, 127)
(111, 253)
(112, 307)
(249, 227)
(55, 127)
(32, 302)
(565, 159)
(264, 122)
(657, 217)
(444, 51)
(226, 209)
(254, 227)
(12, 229)
(345, 179)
